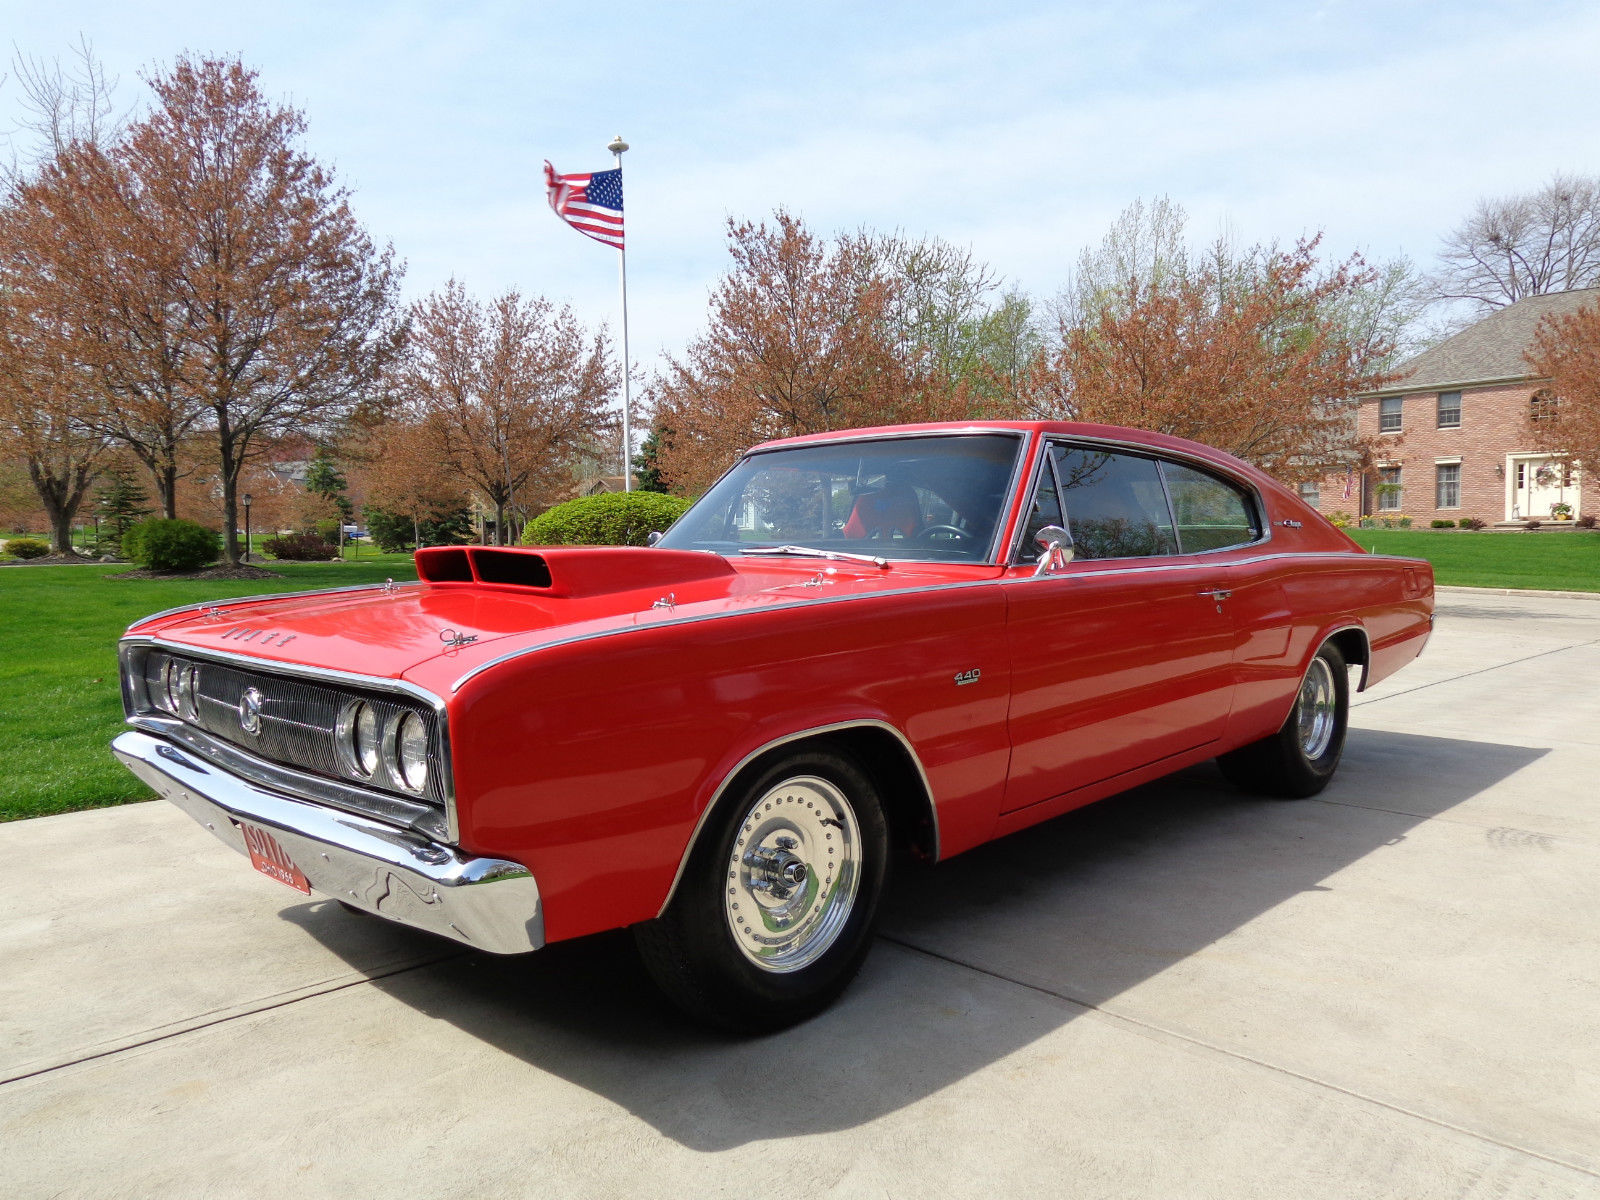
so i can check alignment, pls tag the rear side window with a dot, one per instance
(1115, 505)
(1211, 513)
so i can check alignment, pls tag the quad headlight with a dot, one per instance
(410, 763)
(369, 735)
(359, 737)
(175, 689)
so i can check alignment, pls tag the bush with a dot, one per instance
(393, 532)
(328, 530)
(612, 519)
(1341, 519)
(299, 547)
(1438, 524)
(1470, 523)
(1586, 522)
(27, 547)
(170, 545)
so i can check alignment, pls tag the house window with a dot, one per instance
(1389, 414)
(1542, 407)
(1311, 493)
(1389, 492)
(1447, 485)
(1449, 410)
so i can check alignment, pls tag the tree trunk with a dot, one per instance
(167, 490)
(499, 523)
(416, 532)
(61, 529)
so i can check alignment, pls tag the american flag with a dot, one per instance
(1348, 479)
(591, 202)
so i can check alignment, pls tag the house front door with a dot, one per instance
(1536, 484)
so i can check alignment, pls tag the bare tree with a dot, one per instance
(63, 105)
(1517, 246)
(509, 393)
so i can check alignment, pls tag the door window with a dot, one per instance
(1115, 504)
(1046, 510)
(1211, 513)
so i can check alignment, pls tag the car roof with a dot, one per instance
(1146, 438)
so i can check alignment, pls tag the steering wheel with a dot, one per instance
(941, 533)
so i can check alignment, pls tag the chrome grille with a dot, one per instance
(298, 727)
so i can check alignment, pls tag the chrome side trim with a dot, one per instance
(325, 675)
(800, 735)
(200, 605)
(1172, 562)
(390, 872)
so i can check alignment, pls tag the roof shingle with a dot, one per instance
(1490, 351)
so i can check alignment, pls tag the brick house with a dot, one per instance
(1455, 423)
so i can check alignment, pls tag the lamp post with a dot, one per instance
(247, 527)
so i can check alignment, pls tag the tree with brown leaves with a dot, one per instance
(1251, 353)
(507, 393)
(1566, 350)
(288, 309)
(806, 335)
(403, 474)
(46, 400)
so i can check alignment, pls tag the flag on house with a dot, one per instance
(590, 202)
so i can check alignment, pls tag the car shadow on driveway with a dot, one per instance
(1077, 910)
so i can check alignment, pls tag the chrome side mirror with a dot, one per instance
(655, 536)
(1057, 545)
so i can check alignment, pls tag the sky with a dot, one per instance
(1019, 130)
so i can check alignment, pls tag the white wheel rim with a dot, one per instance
(790, 882)
(1314, 709)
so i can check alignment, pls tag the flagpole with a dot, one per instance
(617, 146)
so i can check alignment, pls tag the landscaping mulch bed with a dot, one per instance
(242, 571)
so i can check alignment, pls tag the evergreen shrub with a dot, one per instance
(611, 519)
(171, 545)
(25, 547)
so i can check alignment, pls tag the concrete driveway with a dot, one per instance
(1391, 990)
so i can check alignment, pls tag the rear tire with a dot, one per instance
(774, 913)
(1300, 759)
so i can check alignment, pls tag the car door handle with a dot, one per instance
(1217, 594)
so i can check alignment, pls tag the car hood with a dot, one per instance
(478, 603)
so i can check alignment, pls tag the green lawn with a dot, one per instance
(59, 702)
(1565, 561)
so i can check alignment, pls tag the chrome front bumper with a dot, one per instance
(387, 871)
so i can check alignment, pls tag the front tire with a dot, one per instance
(773, 916)
(1300, 759)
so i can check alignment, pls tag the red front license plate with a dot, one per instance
(271, 859)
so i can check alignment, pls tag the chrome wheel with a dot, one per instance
(1316, 709)
(793, 873)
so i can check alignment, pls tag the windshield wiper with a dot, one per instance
(811, 552)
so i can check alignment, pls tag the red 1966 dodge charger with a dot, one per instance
(855, 645)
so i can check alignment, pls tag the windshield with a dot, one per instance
(932, 498)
